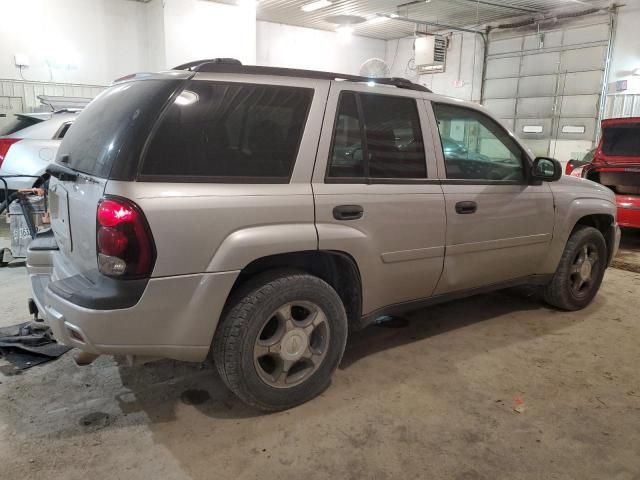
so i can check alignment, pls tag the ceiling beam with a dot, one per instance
(427, 23)
(481, 2)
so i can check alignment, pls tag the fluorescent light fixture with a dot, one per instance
(310, 7)
(247, 3)
(344, 33)
(573, 129)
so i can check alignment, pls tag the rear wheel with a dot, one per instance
(580, 271)
(280, 340)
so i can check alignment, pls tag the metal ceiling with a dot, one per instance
(460, 13)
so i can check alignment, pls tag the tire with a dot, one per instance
(564, 291)
(258, 346)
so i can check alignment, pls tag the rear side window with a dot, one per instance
(229, 132)
(17, 123)
(107, 137)
(622, 140)
(377, 137)
(63, 130)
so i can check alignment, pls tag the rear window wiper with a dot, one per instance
(62, 172)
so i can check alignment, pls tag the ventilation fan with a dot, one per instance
(375, 68)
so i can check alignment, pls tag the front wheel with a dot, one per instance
(580, 271)
(280, 340)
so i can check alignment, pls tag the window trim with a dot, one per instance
(524, 156)
(367, 179)
(238, 180)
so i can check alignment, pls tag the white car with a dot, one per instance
(29, 143)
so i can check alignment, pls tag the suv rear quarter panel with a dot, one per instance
(217, 227)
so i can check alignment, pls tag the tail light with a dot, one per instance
(5, 145)
(577, 172)
(124, 242)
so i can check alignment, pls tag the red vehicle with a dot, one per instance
(616, 164)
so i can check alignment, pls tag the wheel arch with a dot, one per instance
(604, 223)
(571, 213)
(337, 268)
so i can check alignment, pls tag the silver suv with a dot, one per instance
(29, 144)
(258, 215)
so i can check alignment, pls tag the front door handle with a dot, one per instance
(465, 208)
(348, 212)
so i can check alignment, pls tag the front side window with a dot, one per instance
(475, 147)
(376, 137)
(230, 131)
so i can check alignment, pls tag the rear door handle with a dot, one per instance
(348, 212)
(467, 207)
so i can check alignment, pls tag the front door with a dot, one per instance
(376, 191)
(499, 224)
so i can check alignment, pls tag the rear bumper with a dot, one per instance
(176, 317)
(628, 210)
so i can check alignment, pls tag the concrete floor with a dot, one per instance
(495, 386)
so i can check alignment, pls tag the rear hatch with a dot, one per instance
(105, 143)
(617, 161)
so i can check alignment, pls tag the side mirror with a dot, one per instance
(546, 169)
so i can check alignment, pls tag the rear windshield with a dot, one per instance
(107, 137)
(622, 140)
(17, 123)
(229, 132)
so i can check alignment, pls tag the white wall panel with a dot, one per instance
(297, 47)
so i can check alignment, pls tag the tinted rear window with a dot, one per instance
(229, 132)
(622, 140)
(107, 137)
(17, 123)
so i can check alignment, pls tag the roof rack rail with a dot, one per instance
(193, 66)
(230, 65)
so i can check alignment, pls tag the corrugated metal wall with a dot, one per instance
(29, 91)
(622, 105)
(547, 86)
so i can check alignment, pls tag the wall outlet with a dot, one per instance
(21, 60)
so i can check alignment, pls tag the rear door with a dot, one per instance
(499, 224)
(376, 191)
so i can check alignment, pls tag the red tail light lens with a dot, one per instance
(5, 145)
(124, 242)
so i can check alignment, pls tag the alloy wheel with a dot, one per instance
(584, 269)
(291, 344)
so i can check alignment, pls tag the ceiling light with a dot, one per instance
(310, 7)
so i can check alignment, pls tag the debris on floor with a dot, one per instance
(518, 404)
(28, 344)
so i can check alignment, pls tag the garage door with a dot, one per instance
(546, 86)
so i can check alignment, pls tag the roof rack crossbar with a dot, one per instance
(229, 65)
